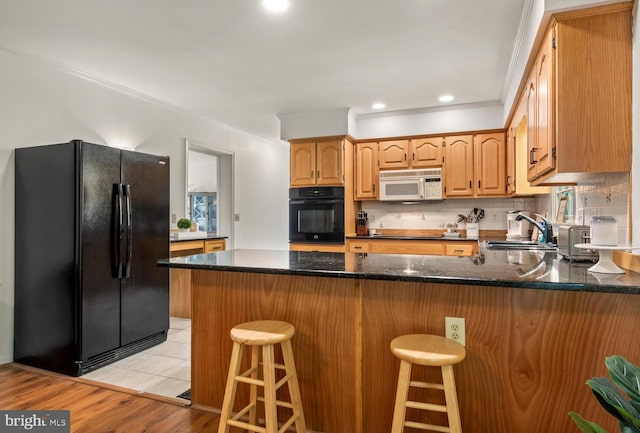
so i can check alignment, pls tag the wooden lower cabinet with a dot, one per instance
(323, 248)
(213, 245)
(180, 279)
(432, 247)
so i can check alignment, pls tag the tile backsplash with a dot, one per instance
(604, 194)
(436, 215)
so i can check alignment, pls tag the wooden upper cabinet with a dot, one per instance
(580, 115)
(426, 152)
(517, 154)
(540, 112)
(366, 171)
(532, 130)
(329, 163)
(413, 153)
(489, 159)
(510, 162)
(302, 164)
(316, 163)
(458, 166)
(394, 154)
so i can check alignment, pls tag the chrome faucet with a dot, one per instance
(546, 229)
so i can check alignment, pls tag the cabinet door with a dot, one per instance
(426, 152)
(532, 127)
(544, 109)
(458, 166)
(488, 153)
(510, 166)
(302, 164)
(329, 163)
(366, 171)
(393, 154)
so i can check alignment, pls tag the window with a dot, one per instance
(204, 211)
(564, 199)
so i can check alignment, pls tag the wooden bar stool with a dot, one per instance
(265, 334)
(434, 351)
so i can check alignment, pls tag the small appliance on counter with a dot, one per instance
(362, 224)
(569, 236)
(517, 229)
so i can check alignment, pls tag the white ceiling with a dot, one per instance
(233, 61)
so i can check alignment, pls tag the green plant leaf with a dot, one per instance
(586, 426)
(615, 402)
(626, 376)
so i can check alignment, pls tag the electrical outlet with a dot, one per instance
(236, 217)
(454, 329)
(173, 218)
(494, 217)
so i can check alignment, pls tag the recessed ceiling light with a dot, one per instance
(276, 5)
(446, 98)
(378, 106)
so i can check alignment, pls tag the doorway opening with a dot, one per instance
(209, 188)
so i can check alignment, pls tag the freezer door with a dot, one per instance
(144, 286)
(100, 291)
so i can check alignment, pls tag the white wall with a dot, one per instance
(319, 124)
(454, 118)
(41, 103)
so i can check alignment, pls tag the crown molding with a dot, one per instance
(518, 50)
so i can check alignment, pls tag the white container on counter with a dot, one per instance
(604, 231)
(473, 230)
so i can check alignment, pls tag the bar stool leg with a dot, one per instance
(294, 388)
(253, 394)
(402, 393)
(451, 396)
(229, 397)
(269, 376)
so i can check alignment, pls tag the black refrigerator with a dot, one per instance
(91, 222)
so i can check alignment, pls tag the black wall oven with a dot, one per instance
(316, 214)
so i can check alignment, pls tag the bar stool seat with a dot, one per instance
(432, 351)
(262, 334)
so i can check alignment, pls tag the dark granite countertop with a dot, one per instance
(414, 238)
(514, 268)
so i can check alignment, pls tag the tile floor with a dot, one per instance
(164, 369)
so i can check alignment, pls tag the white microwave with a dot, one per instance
(411, 185)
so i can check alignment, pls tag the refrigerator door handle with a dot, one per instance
(127, 265)
(117, 232)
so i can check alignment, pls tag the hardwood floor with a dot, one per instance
(95, 408)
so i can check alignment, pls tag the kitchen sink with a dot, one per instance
(520, 245)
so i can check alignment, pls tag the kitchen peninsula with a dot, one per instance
(536, 329)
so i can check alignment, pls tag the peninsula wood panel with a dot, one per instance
(326, 315)
(529, 352)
